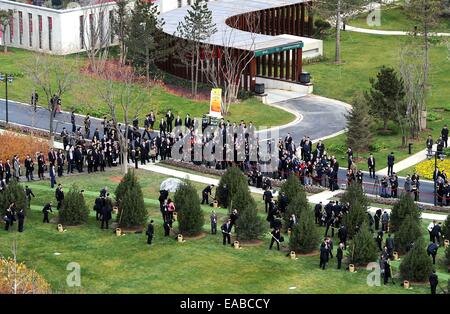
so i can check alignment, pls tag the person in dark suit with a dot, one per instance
(21, 219)
(342, 235)
(323, 255)
(390, 246)
(29, 168)
(318, 213)
(162, 126)
(149, 232)
(28, 195)
(52, 174)
(9, 216)
(340, 255)
(59, 195)
(178, 122)
(213, 219)
(276, 237)
(106, 214)
(371, 166)
(432, 250)
(206, 192)
(387, 271)
(72, 121)
(444, 135)
(7, 171)
(47, 208)
(169, 119)
(434, 281)
(226, 232)
(188, 121)
(267, 197)
(167, 225)
(390, 162)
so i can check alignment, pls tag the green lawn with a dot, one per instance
(396, 19)
(84, 96)
(363, 55)
(111, 264)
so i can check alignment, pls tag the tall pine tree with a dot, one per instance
(231, 181)
(130, 200)
(416, 265)
(305, 235)
(359, 135)
(190, 214)
(363, 249)
(385, 91)
(408, 232)
(74, 210)
(297, 205)
(14, 192)
(146, 43)
(249, 226)
(404, 207)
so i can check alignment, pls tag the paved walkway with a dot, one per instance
(323, 197)
(386, 33)
(407, 162)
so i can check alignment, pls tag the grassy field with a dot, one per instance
(363, 55)
(396, 19)
(84, 96)
(111, 264)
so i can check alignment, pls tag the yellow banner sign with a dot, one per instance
(215, 105)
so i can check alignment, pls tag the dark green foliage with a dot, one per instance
(386, 90)
(249, 226)
(403, 208)
(416, 265)
(408, 232)
(190, 215)
(291, 187)
(363, 249)
(359, 135)
(304, 236)
(355, 194)
(358, 203)
(146, 44)
(446, 228)
(322, 28)
(14, 192)
(130, 201)
(234, 180)
(298, 204)
(447, 255)
(74, 210)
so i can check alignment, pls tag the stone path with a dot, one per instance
(323, 197)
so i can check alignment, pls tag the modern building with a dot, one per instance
(277, 45)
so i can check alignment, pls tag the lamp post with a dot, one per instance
(441, 157)
(7, 78)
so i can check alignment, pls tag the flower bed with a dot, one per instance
(211, 171)
(426, 168)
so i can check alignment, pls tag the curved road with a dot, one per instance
(318, 121)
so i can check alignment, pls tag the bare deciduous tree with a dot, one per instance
(54, 76)
(412, 74)
(97, 35)
(123, 99)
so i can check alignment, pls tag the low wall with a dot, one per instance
(284, 85)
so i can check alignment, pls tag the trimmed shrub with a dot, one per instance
(446, 228)
(304, 236)
(409, 232)
(190, 215)
(363, 249)
(298, 204)
(234, 180)
(74, 210)
(291, 188)
(249, 226)
(416, 265)
(130, 200)
(14, 192)
(403, 208)
(355, 194)
(355, 218)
